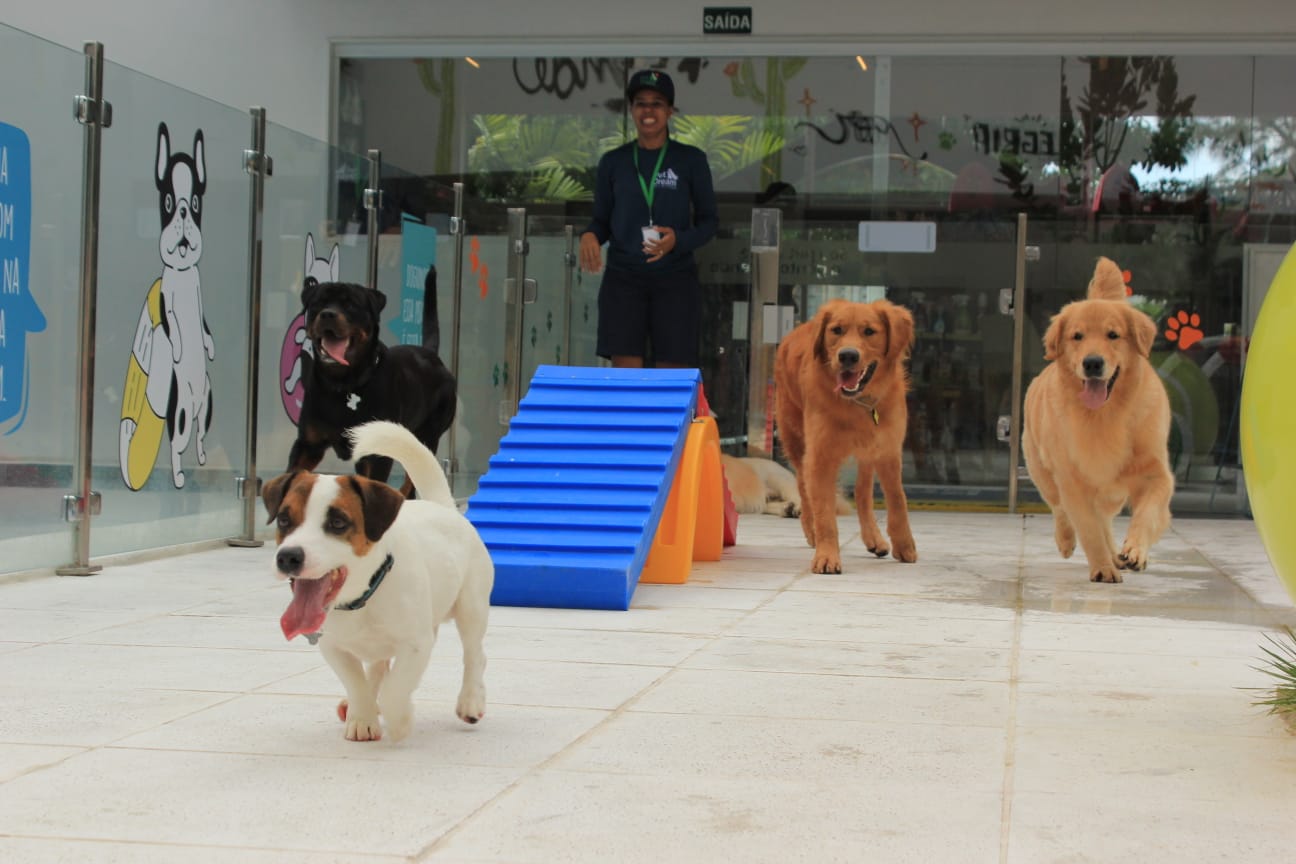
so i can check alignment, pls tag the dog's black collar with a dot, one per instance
(374, 581)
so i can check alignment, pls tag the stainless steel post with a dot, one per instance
(569, 278)
(1019, 324)
(95, 114)
(767, 225)
(457, 229)
(518, 291)
(373, 203)
(259, 166)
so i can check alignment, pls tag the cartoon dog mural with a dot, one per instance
(296, 348)
(166, 380)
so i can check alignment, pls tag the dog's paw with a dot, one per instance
(905, 550)
(399, 721)
(791, 510)
(1064, 536)
(1110, 574)
(824, 562)
(878, 548)
(1132, 557)
(472, 704)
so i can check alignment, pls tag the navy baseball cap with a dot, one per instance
(650, 79)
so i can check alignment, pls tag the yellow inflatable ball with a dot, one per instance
(1268, 422)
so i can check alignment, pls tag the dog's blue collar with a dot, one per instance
(374, 581)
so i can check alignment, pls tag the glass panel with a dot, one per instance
(300, 240)
(1174, 166)
(483, 368)
(172, 340)
(545, 321)
(1156, 175)
(40, 247)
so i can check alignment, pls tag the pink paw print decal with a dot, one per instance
(1184, 329)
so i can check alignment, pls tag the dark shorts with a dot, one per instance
(663, 310)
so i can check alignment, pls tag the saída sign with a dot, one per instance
(727, 20)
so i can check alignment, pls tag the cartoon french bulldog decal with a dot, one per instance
(167, 384)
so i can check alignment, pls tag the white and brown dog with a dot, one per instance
(375, 575)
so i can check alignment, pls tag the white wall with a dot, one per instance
(275, 53)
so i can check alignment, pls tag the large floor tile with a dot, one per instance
(274, 725)
(863, 755)
(828, 697)
(1066, 826)
(592, 818)
(19, 759)
(24, 850)
(260, 802)
(853, 658)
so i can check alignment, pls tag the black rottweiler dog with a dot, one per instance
(352, 377)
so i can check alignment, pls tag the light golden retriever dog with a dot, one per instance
(761, 485)
(1097, 422)
(840, 380)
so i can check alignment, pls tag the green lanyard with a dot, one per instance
(650, 191)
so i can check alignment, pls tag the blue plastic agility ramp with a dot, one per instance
(569, 505)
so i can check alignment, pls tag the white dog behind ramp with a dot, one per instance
(764, 486)
(375, 575)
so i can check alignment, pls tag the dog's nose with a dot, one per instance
(1093, 366)
(290, 559)
(327, 314)
(848, 357)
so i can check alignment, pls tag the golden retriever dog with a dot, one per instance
(840, 381)
(761, 485)
(1097, 422)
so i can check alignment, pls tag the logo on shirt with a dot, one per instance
(668, 179)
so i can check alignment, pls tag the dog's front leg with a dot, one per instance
(820, 502)
(869, 531)
(396, 695)
(360, 711)
(897, 508)
(1093, 529)
(1149, 516)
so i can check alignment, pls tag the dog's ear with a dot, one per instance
(272, 493)
(377, 302)
(309, 289)
(1143, 330)
(163, 155)
(1053, 336)
(822, 317)
(379, 503)
(200, 164)
(900, 331)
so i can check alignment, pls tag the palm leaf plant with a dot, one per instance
(1280, 664)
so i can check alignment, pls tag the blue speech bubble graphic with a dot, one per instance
(19, 314)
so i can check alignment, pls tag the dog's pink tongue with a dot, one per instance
(849, 380)
(305, 614)
(336, 348)
(1094, 393)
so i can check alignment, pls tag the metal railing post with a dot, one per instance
(259, 166)
(569, 277)
(458, 228)
(373, 203)
(518, 291)
(95, 114)
(1019, 321)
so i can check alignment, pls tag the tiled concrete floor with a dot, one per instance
(987, 704)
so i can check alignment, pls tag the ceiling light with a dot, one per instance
(473, 63)
(860, 60)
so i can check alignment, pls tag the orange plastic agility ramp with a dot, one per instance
(692, 526)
